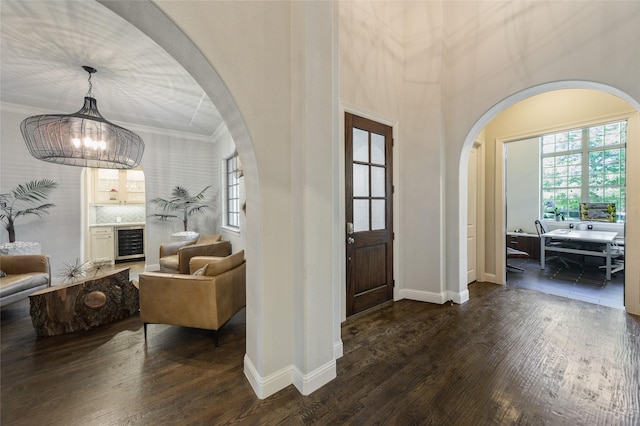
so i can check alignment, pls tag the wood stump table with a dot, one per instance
(84, 305)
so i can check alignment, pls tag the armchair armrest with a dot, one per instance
(217, 249)
(25, 263)
(169, 249)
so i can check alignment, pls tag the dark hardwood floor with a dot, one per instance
(509, 356)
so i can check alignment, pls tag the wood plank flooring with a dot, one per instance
(509, 356)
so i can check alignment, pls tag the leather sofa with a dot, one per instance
(24, 274)
(206, 300)
(175, 256)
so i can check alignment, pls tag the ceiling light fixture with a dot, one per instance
(83, 139)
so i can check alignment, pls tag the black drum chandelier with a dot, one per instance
(83, 139)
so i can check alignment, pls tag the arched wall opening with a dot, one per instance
(149, 19)
(632, 243)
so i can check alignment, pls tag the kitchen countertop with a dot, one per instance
(118, 224)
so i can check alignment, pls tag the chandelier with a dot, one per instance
(83, 139)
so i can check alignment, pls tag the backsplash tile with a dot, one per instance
(109, 214)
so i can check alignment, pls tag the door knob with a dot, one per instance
(351, 240)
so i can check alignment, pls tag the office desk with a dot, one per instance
(579, 236)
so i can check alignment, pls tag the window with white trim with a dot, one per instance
(232, 192)
(585, 165)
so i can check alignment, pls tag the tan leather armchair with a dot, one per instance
(175, 256)
(204, 301)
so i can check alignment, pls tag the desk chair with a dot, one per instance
(617, 259)
(542, 228)
(513, 253)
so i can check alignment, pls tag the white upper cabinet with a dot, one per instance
(118, 186)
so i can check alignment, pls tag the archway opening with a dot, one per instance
(148, 18)
(494, 269)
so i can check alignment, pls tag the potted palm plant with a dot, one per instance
(180, 205)
(23, 201)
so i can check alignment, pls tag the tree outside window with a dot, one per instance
(583, 166)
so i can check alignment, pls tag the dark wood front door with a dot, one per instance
(369, 213)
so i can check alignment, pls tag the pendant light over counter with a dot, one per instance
(83, 139)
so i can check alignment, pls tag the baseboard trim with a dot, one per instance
(423, 296)
(267, 386)
(459, 297)
(264, 387)
(338, 349)
(490, 278)
(308, 383)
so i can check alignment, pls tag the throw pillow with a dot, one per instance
(218, 267)
(2, 274)
(200, 271)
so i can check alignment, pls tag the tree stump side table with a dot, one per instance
(84, 305)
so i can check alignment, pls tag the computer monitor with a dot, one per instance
(602, 212)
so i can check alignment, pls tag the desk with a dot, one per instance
(580, 236)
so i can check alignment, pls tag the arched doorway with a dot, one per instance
(495, 240)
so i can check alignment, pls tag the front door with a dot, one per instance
(369, 213)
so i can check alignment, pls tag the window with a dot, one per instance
(583, 166)
(232, 192)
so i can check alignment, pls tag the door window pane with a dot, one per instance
(360, 180)
(377, 149)
(377, 181)
(377, 214)
(360, 215)
(360, 145)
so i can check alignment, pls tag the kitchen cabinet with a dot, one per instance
(118, 186)
(525, 242)
(102, 245)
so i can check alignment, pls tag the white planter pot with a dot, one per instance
(20, 247)
(185, 236)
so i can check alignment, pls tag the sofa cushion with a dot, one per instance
(170, 262)
(223, 265)
(11, 284)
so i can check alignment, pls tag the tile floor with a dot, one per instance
(586, 283)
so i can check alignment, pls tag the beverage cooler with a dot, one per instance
(129, 243)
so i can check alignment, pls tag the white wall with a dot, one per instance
(523, 183)
(497, 51)
(250, 45)
(172, 159)
(59, 231)
(391, 71)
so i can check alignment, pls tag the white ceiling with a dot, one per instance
(43, 45)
